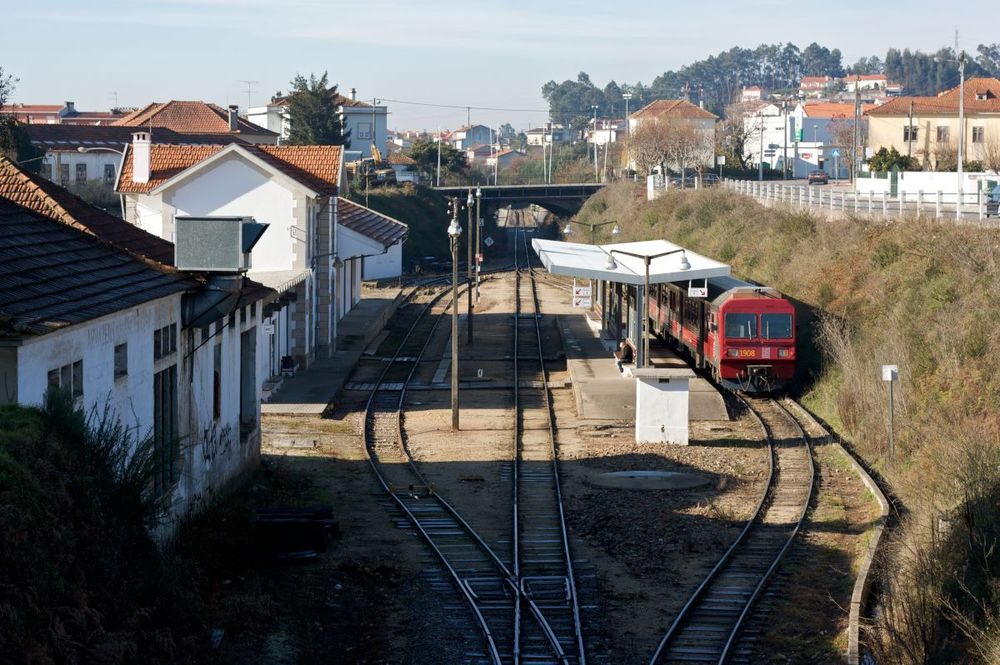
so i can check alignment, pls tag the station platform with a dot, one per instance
(310, 391)
(602, 393)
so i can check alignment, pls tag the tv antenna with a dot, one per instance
(250, 90)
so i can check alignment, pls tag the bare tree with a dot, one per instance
(8, 122)
(649, 145)
(737, 131)
(989, 152)
(686, 145)
(842, 133)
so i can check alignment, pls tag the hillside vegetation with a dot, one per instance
(918, 294)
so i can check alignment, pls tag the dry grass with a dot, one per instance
(917, 294)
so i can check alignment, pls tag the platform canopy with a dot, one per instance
(594, 261)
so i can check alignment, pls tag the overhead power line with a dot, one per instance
(464, 107)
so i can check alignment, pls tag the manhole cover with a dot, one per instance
(650, 480)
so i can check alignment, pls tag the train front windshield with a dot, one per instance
(776, 326)
(741, 326)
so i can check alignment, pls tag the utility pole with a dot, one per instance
(961, 130)
(760, 162)
(909, 132)
(454, 231)
(479, 249)
(439, 157)
(856, 135)
(784, 134)
(468, 242)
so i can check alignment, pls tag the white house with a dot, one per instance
(367, 123)
(470, 136)
(548, 133)
(114, 330)
(87, 158)
(295, 189)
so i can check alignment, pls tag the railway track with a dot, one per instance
(707, 628)
(543, 563)
(513, 627)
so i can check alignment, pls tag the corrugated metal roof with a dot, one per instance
(369, 223)
(53, 275)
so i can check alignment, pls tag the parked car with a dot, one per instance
(818, 176)
(993, 202)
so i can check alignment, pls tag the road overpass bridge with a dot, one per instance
(563, 200)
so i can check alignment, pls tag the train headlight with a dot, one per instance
(733, 353)
(784, 353)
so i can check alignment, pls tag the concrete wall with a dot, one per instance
(211, 450)
(385, 265)
(130, 398)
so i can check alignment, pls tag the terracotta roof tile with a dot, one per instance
(680, 108)
(833, 109)
(188, 118)
(316, 166)
(369, 223)
(47, 198)
(400, 159)
(947, 101)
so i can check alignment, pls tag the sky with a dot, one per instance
(486, 54)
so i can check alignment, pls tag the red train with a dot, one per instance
(743, 333)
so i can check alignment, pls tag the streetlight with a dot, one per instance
(454, 231)
(628, 131)
(479, 249)
(615, 230)
(962, 59)
(593, 136)
(468, 206)
(643, 317)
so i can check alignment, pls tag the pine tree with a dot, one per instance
(313, 113)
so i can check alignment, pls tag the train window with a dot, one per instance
(776, 326)
(741, 326)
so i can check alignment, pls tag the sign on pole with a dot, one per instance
(582, 294)
(890, 372)
(835, 153)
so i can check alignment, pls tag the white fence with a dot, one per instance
(937, 205)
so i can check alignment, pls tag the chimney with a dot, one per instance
(70, 108)
(140, 157)
(354, 94)
(234, 116)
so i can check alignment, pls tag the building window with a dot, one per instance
(364, 130)
(121, 361)
(910, 133)
(81, 173)
(68, 378)
(217, 381)
(64, 174)
(164, 342)
(109, 173)
(166, 446)
(943, 134)
(978, 134)
(47, 171)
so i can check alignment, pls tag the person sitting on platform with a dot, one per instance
(623, 355)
